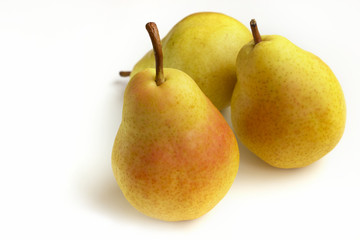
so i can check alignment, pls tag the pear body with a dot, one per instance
(204, 45)
(174, 156)
(287, 107)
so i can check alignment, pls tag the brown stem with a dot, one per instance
(156, 42)
(124, 73)
(255, 31)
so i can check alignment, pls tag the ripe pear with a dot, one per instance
(174, 156)
(287, 107)
(204, 45)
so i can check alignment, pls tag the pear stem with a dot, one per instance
(255, 31)
(156, 42)
(124, 73)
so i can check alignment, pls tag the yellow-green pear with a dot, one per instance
(287, 107)
(174, 156)
(204, 45)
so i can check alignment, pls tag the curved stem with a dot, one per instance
(124, 73)
(156, 42)
(255, 31)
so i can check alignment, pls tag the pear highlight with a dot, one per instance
(174, 156)
(287, 107)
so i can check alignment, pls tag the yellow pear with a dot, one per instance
(287, 107)
(174, 156)
(204, 45)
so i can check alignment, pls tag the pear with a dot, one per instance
(204, 45)
(174, 156)
(288, 107)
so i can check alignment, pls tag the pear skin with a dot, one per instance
(174, 157)
(287, 107)
(205, 46)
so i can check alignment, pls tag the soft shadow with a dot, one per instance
(252, 167)
(109, 199)
(121, 83)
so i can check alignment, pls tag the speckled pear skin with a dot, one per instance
(174, 156)
(205, 46)
(287, 107)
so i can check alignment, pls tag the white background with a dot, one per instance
(61, 102)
